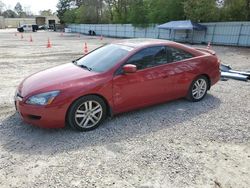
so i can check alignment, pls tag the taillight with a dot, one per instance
(219, 61)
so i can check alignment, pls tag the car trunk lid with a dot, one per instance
(206, 51)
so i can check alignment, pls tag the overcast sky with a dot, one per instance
(33, 5)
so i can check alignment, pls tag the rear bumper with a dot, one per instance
(215, 77)
(44, 117)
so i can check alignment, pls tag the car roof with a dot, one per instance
(140, 42)
(147, 42)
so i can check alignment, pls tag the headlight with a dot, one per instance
(42, 98)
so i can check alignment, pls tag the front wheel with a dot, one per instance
(87, 113)
(198, 89)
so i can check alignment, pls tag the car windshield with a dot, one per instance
(104, 58)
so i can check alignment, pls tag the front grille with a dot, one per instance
(34, 117)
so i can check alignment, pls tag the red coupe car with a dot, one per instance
(116, 78)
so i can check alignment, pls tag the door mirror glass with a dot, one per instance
(129, 68)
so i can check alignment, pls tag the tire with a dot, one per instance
(87, 113)
(198, 89)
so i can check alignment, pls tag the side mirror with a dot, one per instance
(129, 68)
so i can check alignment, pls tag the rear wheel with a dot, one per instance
(198, 89)
(87, 113)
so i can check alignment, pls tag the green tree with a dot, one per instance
(68, 16)
(248, 10)
(143, 12)
(121, 10)
(236, 10)
(63, 7)
(86, 14)
(139, 13)
(2, 5)
(19, 10)
(165, 10)
(46, 12)
(9, 14)
(93, 11)
(89, 11)
(201, 10)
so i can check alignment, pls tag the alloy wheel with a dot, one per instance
(199, 89)
(88, 114)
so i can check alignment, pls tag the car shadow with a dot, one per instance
(18, 137)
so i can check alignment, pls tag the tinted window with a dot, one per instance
(177, 54)
(104, 58)
(149, 57)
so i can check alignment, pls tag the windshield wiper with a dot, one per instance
(83, 66)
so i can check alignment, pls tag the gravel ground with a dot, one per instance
(177, 144)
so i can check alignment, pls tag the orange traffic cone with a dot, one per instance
(31, 39)
(85, 49)
(49, 44)
(21, 36)
(209, 45)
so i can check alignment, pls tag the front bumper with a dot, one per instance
(42, 116)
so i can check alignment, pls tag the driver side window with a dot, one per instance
(149, 57)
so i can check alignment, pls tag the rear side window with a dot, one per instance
(149, 57)
(175, 54)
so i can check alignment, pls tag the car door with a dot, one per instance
(180, 65)
(145, 87)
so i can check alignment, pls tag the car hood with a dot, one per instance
(57, 78)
